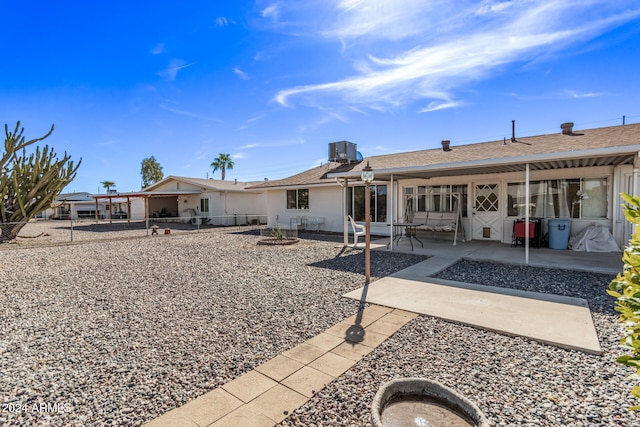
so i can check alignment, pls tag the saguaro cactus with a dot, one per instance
(29, 183)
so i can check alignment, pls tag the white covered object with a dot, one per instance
(594, 238)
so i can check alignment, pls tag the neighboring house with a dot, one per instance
(222, 202)
(76, 206)
(569, 174)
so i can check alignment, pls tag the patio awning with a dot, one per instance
(609, 156)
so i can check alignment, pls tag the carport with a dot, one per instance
(156, 204)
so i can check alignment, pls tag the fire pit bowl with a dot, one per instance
(418, 402)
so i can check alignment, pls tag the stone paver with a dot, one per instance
(332, 364)
(244, 416)
(278, 402)
(325, 341)
(279, 368)
(352, 351)
(387, 325)
(304, 353)
(211, 406)
(268, 394)
(307, 381)
(249, 386)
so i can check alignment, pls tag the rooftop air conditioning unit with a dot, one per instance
(343, 152)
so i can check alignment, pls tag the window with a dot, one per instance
(204, 205)
(435, 198)
(298, 199)
(378, 202)
(560, 198)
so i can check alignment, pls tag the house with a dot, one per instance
(220, 202)
(569, 174)
(76, 206)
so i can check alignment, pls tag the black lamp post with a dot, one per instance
(367, 177)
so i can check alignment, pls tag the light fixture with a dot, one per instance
(367, 174)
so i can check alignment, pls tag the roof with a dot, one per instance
(593, 147)
(74, 197)
(205, 184)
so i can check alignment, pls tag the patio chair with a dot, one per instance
(358, 230)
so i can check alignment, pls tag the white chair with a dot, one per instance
(358, 230)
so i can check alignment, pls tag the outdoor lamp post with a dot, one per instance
(367, 177)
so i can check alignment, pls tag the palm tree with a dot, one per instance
(222, 162)
(108, 185)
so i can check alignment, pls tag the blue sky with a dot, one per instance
(273, 82)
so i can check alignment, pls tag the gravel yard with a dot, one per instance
(515, 381)
(119, 332)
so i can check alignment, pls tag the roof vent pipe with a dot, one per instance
(445, 145)
(567, 128)
(513, 131)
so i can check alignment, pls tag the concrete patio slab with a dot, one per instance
(532, 315)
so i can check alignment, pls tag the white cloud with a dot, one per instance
(238, 72)
(415, 50)
(577, 94)
(564, 94)
(221, 21)
(272, 12)
(158, 49)
(171, 72)
(186, 113)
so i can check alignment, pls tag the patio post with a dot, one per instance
(526, 215)
(391, 195)
(345, 212)
(367, 177)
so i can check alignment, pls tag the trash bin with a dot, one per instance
(559, 233)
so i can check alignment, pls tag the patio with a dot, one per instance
(598, 262)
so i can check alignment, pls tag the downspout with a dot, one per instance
(526, 215)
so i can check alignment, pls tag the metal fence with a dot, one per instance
(38, 232)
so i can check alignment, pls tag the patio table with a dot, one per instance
(409, 231)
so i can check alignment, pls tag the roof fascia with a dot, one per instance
(531, 158)
(296, 186)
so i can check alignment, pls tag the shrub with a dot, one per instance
(626, 289)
